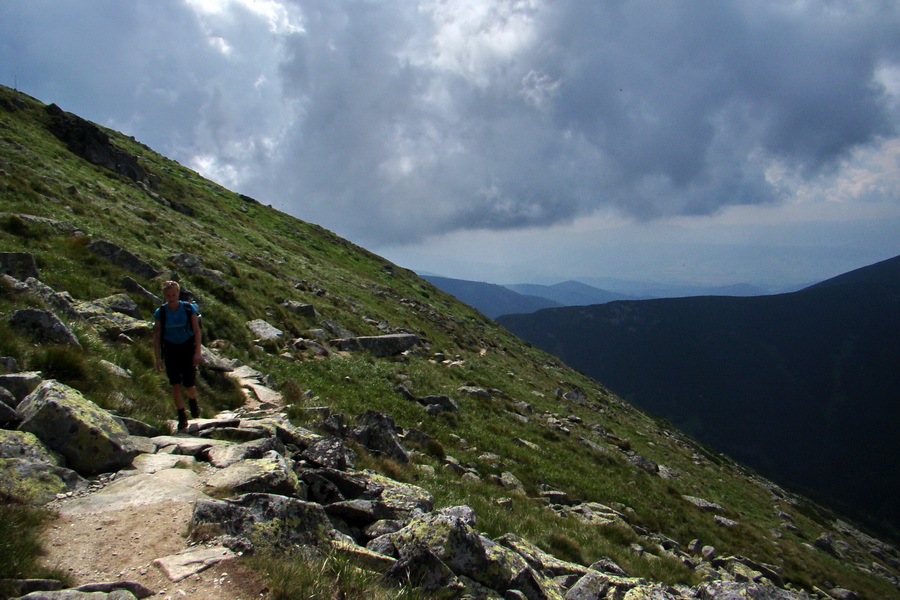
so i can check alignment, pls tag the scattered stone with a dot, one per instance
(263, 331)
(183, 565)
(123, 258)
(42, 327)
(20, 265)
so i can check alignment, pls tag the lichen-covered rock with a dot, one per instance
(225, 455)
(27, 446)
(538, 559)
(89, 438)
(277, 520)
(119, 303)
(402, 500)
(378, 433)
(267, 475)
(42, 327)
(113, 324)
(35, 482)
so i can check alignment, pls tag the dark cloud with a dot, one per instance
(390, 121)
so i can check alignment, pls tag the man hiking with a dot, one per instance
(176, 337)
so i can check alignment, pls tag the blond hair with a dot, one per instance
(171, 284)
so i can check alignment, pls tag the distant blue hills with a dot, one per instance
(494, 300)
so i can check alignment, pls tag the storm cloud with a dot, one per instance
(395, 121)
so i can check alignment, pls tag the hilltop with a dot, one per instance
(462, 453)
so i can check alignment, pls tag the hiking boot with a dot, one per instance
(182, 420)
(195, 410)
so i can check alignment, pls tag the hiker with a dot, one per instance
(176, 336)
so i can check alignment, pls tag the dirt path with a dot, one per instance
(121, 545)
(115, 534)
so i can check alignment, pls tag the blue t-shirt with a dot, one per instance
(178, 329)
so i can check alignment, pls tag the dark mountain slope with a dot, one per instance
(491, 299)
(802, 386)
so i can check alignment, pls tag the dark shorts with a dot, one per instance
(180, 363)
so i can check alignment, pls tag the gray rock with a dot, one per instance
(8, 415)
(378, 433)
(225, 455)
(327, 452)
(89, 438)
(190, 562)
(591, 586)
(27, 446)
(193, 264)
(61, 302)
(134, 287)
(119, 303)
(20, 265)
(132, 587)
(123, 258)
(379, 345)
(267, 475)
(443, 403)
(20, 384)
(113, 324)
(250, 515)
(42, 327)
(8, 364)
(703, 504)
(304, 310)
(34, 482)
(263, 331)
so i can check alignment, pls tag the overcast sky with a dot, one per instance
(714, 141)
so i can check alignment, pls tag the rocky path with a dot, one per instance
(134, 527)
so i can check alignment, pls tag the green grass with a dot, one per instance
(20, 547)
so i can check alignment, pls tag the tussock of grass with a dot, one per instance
(20, 528)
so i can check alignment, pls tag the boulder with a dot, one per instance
(42, 327)
(27, 446)
(20, 265)
(304, 310)
(119, 303)
(21, 384)
(277, 520)
(35, 482)
(134, 287)
(327, 452)
(89, 438)
(193, 264)
(268, 475)
(263, 331)
(113, 324)
(61, 302)
(402, 500)
(378, 345)
(123, 258)
(378, 433)
(8, 415)
(226, 455)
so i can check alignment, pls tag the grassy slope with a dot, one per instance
(268, 252)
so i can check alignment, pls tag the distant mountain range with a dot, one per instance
(802, 386)
(494, 300)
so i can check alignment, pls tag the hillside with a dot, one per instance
(801, 386)
(468, 461)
